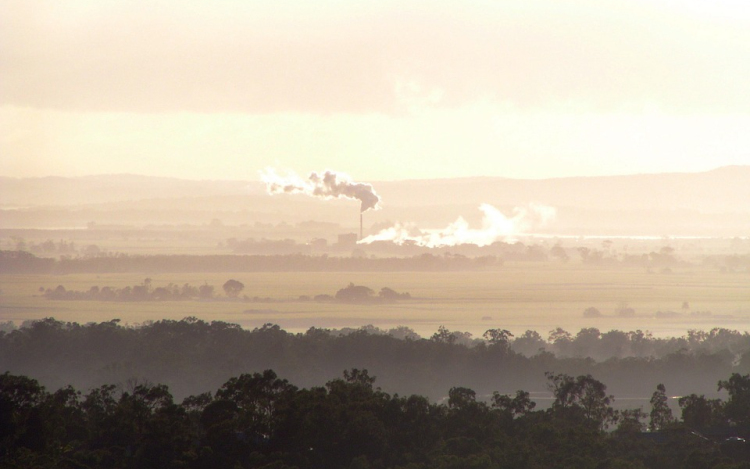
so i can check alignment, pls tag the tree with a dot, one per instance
(499, 337)
(443, 335)
(661, 414)
(559, 252)
(559, 336)
(584, 253)
(391, 294)
(529, 343)
(630, 421)
(233, 288)
(21, 424)
(591, 312)
(459, 397)
(584, 394)
(737, 408)
(354, 293)
(586, 342)
(521, 404)
(257, 397)
(561, 339)
(206, 291)
(699, 412)
(624, 310)
(357, 376)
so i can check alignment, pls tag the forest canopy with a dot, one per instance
(259, 420)
(192, 356)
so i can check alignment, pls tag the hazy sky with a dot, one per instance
(377, 89)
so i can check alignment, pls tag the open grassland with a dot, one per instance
(516, 297)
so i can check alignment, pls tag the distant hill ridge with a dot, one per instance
(725, 189)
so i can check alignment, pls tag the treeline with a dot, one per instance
(592, 343)
(141, 292)
(258, 420)
(589, 342)
(21, 262)
(61, 247)
(147, 292)
(731, 263)
(193, 356)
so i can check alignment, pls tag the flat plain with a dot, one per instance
(517, 297)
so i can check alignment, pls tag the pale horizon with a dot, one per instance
(259, 179)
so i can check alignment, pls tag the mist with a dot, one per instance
(525, 244)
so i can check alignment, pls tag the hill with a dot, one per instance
(712, 203)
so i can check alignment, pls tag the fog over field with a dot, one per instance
(657, 262)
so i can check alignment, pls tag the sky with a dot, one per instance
(381, 90)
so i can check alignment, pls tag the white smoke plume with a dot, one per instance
(495, 227)
(328, 185)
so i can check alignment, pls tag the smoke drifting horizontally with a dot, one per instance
(328, 185)
(495, 227)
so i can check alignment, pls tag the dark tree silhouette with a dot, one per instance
(661, 414)
(699, 412)
(737, 408)
(355, 293)
(583, 395)
(233, 287)
(521, 404)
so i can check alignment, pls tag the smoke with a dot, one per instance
(495, 227)
(328, 185)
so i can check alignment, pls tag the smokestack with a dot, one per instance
(360, 227)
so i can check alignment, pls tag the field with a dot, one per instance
(517, 297)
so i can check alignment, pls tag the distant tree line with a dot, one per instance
(59, 248)
(267, 246)
(729, 263)
(258, 420)
(144, 292)
(590, 342)
(141, 292)
(232, 288)
(194, 356)
(595, 344)
(19, 262)
(24, 262)
(362, 294)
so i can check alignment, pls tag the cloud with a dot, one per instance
(267, 57)
(495, 227)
